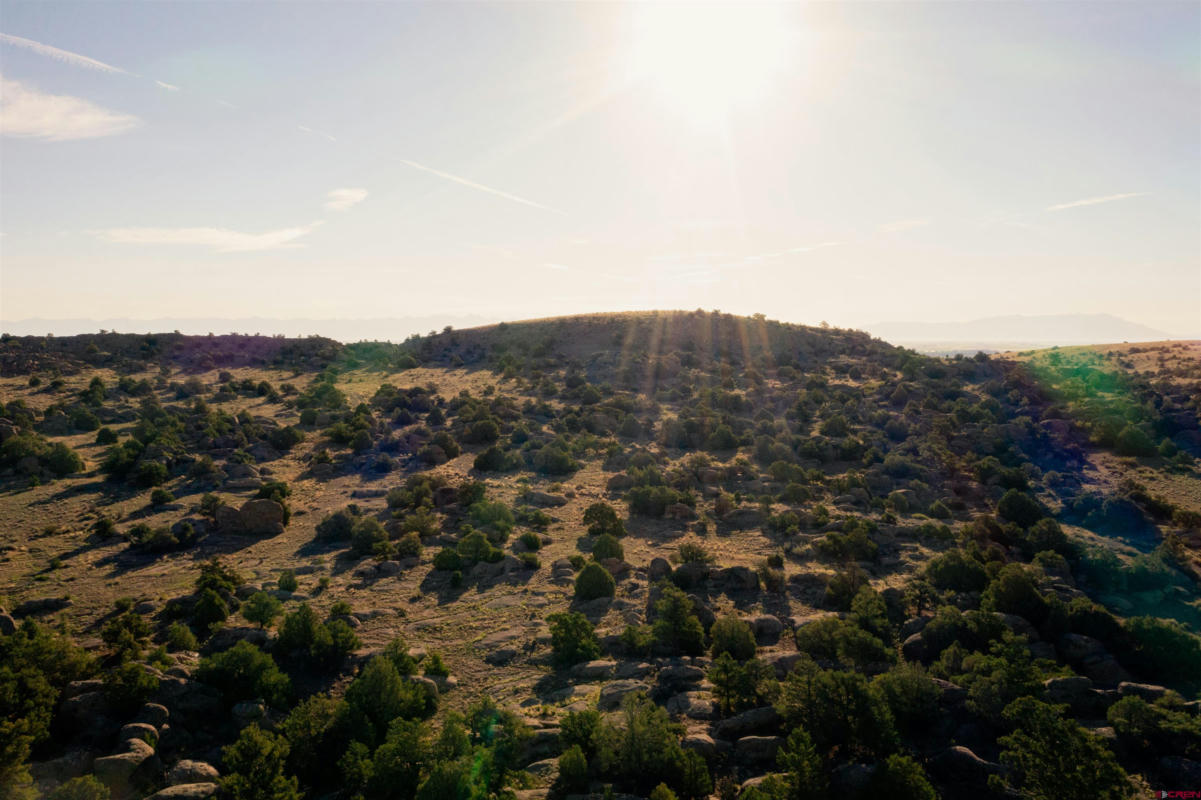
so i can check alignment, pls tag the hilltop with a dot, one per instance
(465, 545)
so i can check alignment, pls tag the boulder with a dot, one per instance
(1148, 691)
(1073, 690)
(79, 711)
(1104, 668)
(680, 675)
(757, 749)
(59, 770)
(767, 628)
(188, 771)
(756, 721)
(680, 511)
(1181, 771)
(594, 670)
(702, 743)
(118, 770)
(659, 568)
(262, 517)
(1076, 647)
(8, 625)
(738, 579)
(743, 518)
(960, 765)
(694, 705)
(186, 791)
(388, 568)
(613, 693)
(225, 638)
(42, 605)
(139, 730)
(914, 648)
(543, 499)
(634, 669)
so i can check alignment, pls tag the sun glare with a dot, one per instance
(704, 59)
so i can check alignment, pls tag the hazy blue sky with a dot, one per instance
(840, 162)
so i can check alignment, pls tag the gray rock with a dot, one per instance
(756, 721)
(702, 743)
(850, 779)
(757, 749)
(914, 648)
(73, 764)
(913, 625)
(738, 579)
(767, 628)
(613, 693)
(500, 656)
(139, 730)
(44, 605)
(543, 499)
(960, 765)
(188, 771)
(1148, 691)
(8, 625)
(1182, 771)
(694, 705)
(1075, 647)
(388, 568)
(659, 568)
(186, 791)
(1072, 690)
(634, 669)
(249, 712)
(594, 670)
(117, 770)
(680, 675)
(79, 711)
(1105, 669)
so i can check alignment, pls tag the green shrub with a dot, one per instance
(839, 710)
(1052, 757)
(254, 767)
(180, 637)
(593, 582)
(607, 546)
(245, 672)
(573, 639)
(602, 519)
(901, 778)
(531, 541)
(409, 545)
(86, 787)
(261, 608)
(209, 609)
(573, 770)
(128, 686)
(957, 571)
(1020, 508)
(287, 581)
(734, 636)
(380, 695)
(448, 559)
(106, 436)
(677, 628)
(834, 639)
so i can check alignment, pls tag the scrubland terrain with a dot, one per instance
(661, 554)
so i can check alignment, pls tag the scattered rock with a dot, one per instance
(1148, 691)
(613, 693)
(594, 670)
(756, 721)
(767, 628)
(960, 765)
(188, 771)
(1073, 690)
(543, 499)
(186, 791)
(44, 605)
(757, 749)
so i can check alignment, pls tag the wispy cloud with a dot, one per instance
(28, 113)
(307, 129)
(66, 56)
(479, 186)
(168, 86)
(222, 240)
(342, 199)
(1093, 201)
(903, 225)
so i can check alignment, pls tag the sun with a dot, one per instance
(704, 59)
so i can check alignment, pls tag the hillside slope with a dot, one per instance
(842, 517)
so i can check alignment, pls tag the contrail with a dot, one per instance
(481, 187)
(1092, 201)
(65, 56)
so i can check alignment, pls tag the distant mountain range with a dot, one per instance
(344, 330)
(1015, 332)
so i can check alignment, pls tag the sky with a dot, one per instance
(848, 163)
